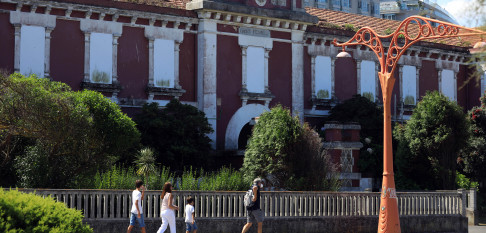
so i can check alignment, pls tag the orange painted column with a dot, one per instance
(388, 214)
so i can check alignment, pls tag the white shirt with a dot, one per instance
(136, 195)
(189, 211)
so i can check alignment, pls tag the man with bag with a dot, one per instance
(254, 213)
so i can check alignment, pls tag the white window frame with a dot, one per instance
(323, 77)
(101, 58)
(25, 60)
(367, 82)
(448, 84)
(32, 50)
(255, 69)
(409, 84)
(164, 63)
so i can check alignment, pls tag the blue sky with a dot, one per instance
(459, 8)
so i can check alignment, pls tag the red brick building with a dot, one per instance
(232, 59)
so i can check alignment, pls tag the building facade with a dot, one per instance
(362, 7)
(233, 59)
(401, 9)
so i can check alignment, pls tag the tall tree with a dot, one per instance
(288, 154)
(474, 157)
(436, 133)
(178, 133)
(73, 133)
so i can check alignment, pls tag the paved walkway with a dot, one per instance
(477, 229)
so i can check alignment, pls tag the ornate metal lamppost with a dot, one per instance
(410, 31)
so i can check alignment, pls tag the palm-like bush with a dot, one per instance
(145, 163)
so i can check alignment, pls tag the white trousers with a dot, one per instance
(168, 218)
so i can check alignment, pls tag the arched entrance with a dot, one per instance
(239, 120)
(245, 134)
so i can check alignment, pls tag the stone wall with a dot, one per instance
(328, 224)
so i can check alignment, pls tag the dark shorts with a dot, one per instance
(133, 219)
(191, 227)
(254, 216)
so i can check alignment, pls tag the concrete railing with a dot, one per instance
(116, 204)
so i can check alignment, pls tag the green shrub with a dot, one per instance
(74, 133)
(283, 151)
(223, 180)
(188, 180)
(20, 212)
(350, 27)
(465, 183)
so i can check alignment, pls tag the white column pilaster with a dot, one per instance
(47, 53)
(455, 85)
(115, 59)
(176, 65)
(298, 74)
(87, 39)
(244, 67)
(333, 64)
(206, 72)
(358, 76)
(483, 83)
(151, 62)
(440, 79)
(377, 81)
(400, 77)
(313, 76)
(417, 83)
(17, 47)
(265, 75)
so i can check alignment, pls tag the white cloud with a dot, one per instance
(462, 10)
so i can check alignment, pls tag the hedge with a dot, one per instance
(21, 212)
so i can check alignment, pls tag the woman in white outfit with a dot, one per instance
(167, 214)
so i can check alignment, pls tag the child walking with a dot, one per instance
(136, 214)
(190, 218)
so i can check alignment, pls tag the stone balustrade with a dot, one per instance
(116, 204)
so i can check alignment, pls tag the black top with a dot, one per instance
(256, 206)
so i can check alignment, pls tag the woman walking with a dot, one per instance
(167, 214)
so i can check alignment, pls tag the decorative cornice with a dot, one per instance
(224, 8)
(263, 20)
(102, 12)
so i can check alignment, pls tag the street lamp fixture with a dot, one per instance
(411, 30)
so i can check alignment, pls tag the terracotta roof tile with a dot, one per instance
(338, 20)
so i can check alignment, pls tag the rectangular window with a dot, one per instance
(368, 80)
(336, 3)
(409, 85)
(101, 57)
(164, 63)
(323, 79)
(255, 69)
(32, 50)
(448, 87)
(345, 3)
(364, 5)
